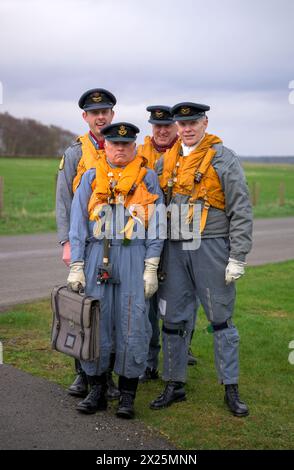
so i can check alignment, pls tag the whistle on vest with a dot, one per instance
(169, 192)
(111, 198)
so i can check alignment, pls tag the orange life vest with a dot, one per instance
(121, 186)
(194, 176)
(148, 151)
(88, 159)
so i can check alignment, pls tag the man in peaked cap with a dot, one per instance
(164, 136)
(120, 272)
(97, 105)
(200, 172)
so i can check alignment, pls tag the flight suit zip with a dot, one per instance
(127, 341)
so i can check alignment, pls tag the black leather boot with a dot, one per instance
(79, 388)
(96, 400)
(126, 405)
(149, 374)
(173, 392)
(128, 388)
(232, 399)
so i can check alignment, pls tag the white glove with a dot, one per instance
(76, 279)
(234, 270)
(150, 276)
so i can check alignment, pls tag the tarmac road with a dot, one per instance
(37, 414)
(30, 265)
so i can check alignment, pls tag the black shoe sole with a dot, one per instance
(74, 393)
(85, 411)
(238, 415)
(91, 411)
(177, 400)
(121, 414)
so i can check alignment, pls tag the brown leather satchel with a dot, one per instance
(75, 325)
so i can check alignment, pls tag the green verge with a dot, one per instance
(265, 319)
(29, 193)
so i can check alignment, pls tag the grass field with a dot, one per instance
(267, 180)
(29, 193)
(265, 319)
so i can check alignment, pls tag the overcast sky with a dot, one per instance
(235, 55)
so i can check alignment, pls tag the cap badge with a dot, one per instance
(159, 114)
(122, 131)
(96, 97)
(185, 111)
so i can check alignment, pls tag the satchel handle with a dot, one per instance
(81, 290)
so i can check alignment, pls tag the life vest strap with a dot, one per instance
(204, 215)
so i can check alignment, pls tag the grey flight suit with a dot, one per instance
(123, 306)
(64, 191)
(201, 272)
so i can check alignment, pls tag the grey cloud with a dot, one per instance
(232, 54)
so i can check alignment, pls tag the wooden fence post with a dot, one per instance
(255, 193)
(1, 196)
(282, 191)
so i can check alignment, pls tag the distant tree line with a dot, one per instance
(27, 137)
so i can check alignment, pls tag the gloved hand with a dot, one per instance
(234, 270)
(150, 276)
(76, 279)
(66, 253)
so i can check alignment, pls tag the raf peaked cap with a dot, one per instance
(160, 115)
(121, 132)
(96, 98)
(189, 111)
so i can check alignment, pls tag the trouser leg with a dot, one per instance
(177, 305)
(226, 354)
(100, 366)
(112, 390)
(191, 357)
(175, 344)
(218, 301)
(154, 345)
(132, 326)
